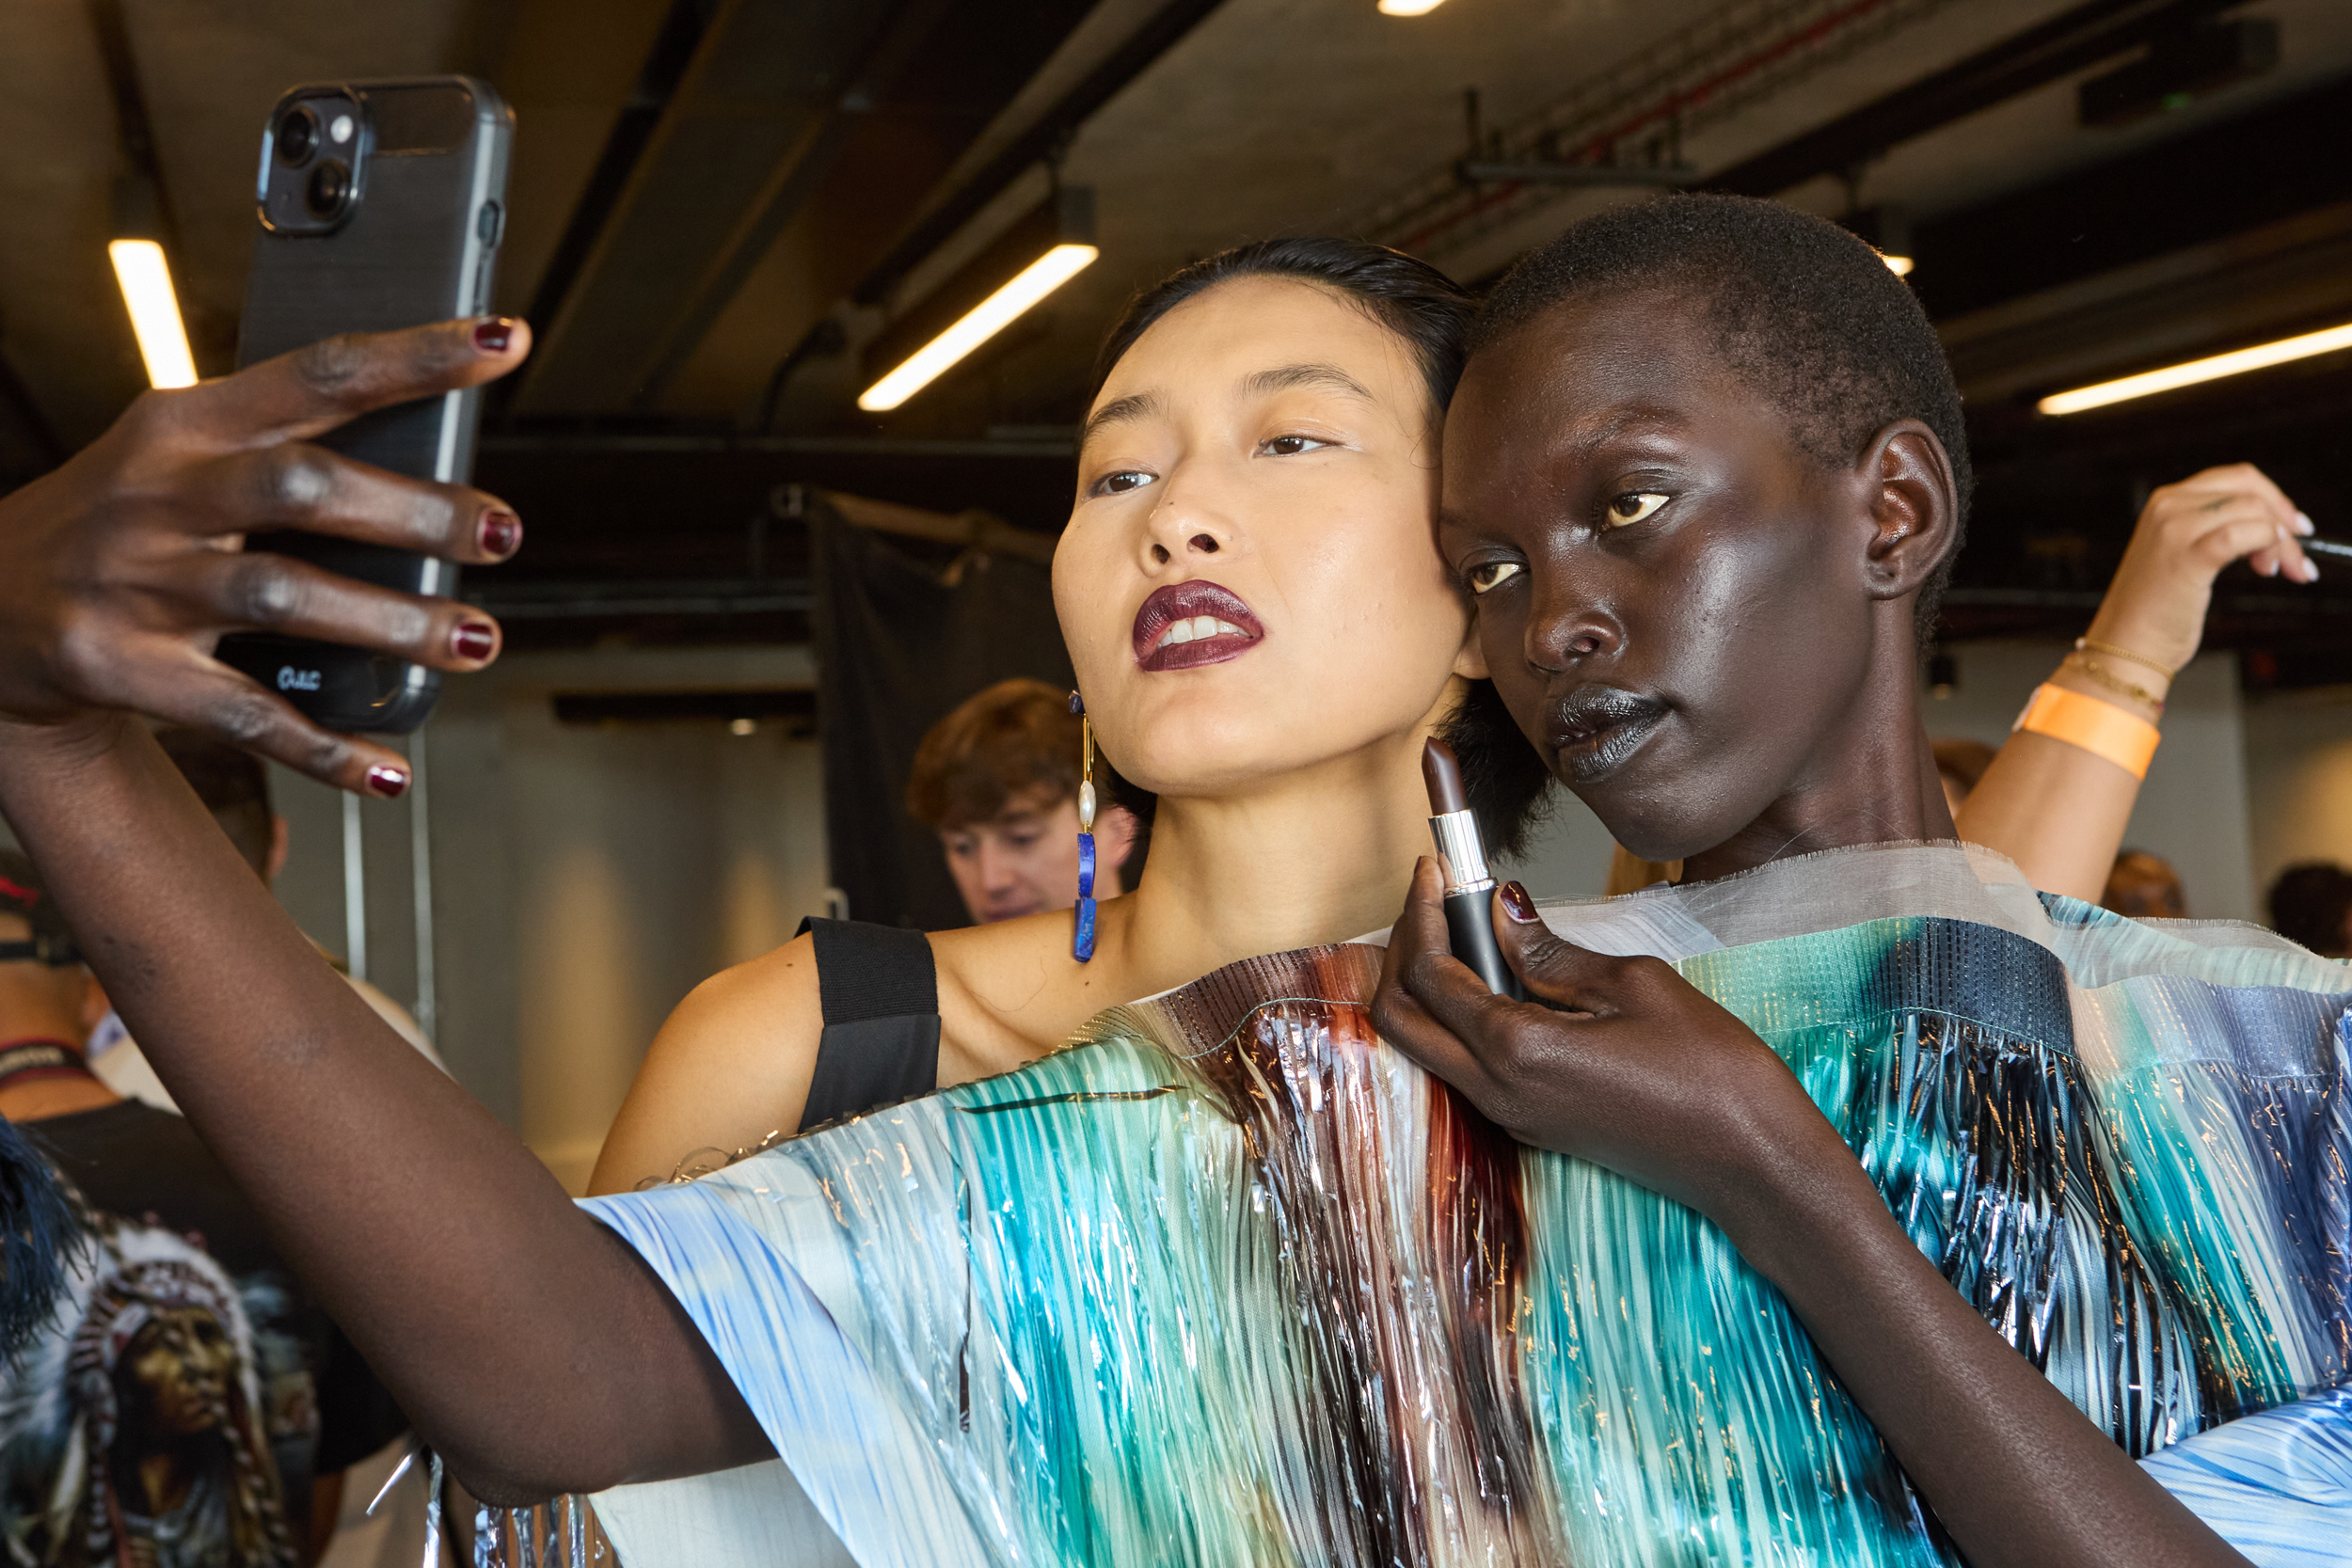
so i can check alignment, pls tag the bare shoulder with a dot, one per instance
(732, 1064)
(1009, 992)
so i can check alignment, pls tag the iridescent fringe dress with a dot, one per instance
(1227, 1281)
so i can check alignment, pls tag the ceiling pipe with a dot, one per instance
(2068, 42)
(1041, 143)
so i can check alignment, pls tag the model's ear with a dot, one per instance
(1914, 508)
(1470, 662)
(1114, 831)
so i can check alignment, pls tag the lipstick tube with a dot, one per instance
(1469, 918)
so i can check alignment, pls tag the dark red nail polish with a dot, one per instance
(390, 782)
(473, 639)
(502, 532)
(492, 336)
(1517, 905)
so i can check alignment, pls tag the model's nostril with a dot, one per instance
(1585, 645)
(1159, 555)
(1205, 545)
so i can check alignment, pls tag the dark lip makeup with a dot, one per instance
(1469, 916)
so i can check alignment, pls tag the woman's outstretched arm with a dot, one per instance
(2058, 811)
(527, 1342)
(1625, 1063)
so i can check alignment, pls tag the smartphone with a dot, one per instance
(381, 205)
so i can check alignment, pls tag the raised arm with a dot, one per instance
(529, 1344)
(1623, 1062)
(2059, 811)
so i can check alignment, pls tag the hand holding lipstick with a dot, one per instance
(1620, 1061)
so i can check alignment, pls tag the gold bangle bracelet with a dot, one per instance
(2100, 728)
(2090, 669)
(2084, 645)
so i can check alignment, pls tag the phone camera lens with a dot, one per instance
(298, 135)
(329, 191)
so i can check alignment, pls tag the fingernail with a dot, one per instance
(473, 639)
(492, 336)
(502, 532)
(390, 782)
(2303, 524)
(1517, 905)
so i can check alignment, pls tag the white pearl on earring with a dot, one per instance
(1085, 807)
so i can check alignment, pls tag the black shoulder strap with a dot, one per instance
(866, 971)
(880, 989)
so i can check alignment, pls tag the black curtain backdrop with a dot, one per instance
(898, 647)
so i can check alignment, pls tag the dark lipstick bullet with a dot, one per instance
(1470, 916)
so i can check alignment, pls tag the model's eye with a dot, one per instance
(1290, 445)
(1489, 575)
(1632, 507)
(1118, 482)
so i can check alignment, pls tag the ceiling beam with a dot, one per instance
(2071, 42)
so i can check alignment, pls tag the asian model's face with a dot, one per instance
(1248, 583)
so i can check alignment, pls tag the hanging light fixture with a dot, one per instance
(1039, 253)
(144, 274)
(2190, 372)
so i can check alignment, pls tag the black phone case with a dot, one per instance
(417, 245)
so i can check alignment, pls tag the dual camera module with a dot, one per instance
(302, 137)
(309, 164)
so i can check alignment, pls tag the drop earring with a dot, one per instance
(1082, 940)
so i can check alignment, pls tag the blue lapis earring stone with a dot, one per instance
(1082, 941)
(1082, 937)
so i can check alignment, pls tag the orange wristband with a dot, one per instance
(2100, 728)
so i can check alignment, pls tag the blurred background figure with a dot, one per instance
(2145, 887)
(998, 780)
(1959, 763)
(238, 1406)
(2312, 904)
(234, 787)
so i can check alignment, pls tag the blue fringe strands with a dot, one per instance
(1230, 1281)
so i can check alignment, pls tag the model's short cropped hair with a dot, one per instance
(1801, 311)
(1016, 743)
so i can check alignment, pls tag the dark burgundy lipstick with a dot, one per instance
(1470, 913)
(1595, 728)
(1188, 623)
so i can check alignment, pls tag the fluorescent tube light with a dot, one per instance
(1900, 265)
(977, 326)
(2261, 357)
(146, 280)
(1408, 8)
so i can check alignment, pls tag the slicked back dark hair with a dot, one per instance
(1505, 778)
(1801, 311)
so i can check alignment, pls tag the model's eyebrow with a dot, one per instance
(1585, 437)
(1126, 410)
(1588, 436)
(1330, 378)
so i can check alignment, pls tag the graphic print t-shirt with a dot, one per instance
(175, 1412)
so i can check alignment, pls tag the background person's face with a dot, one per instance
(1021, 861)
(1675, 608)
(1278, 445)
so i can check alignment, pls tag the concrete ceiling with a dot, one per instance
(700, 183)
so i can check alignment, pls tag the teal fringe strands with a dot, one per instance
(1230, 1281)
